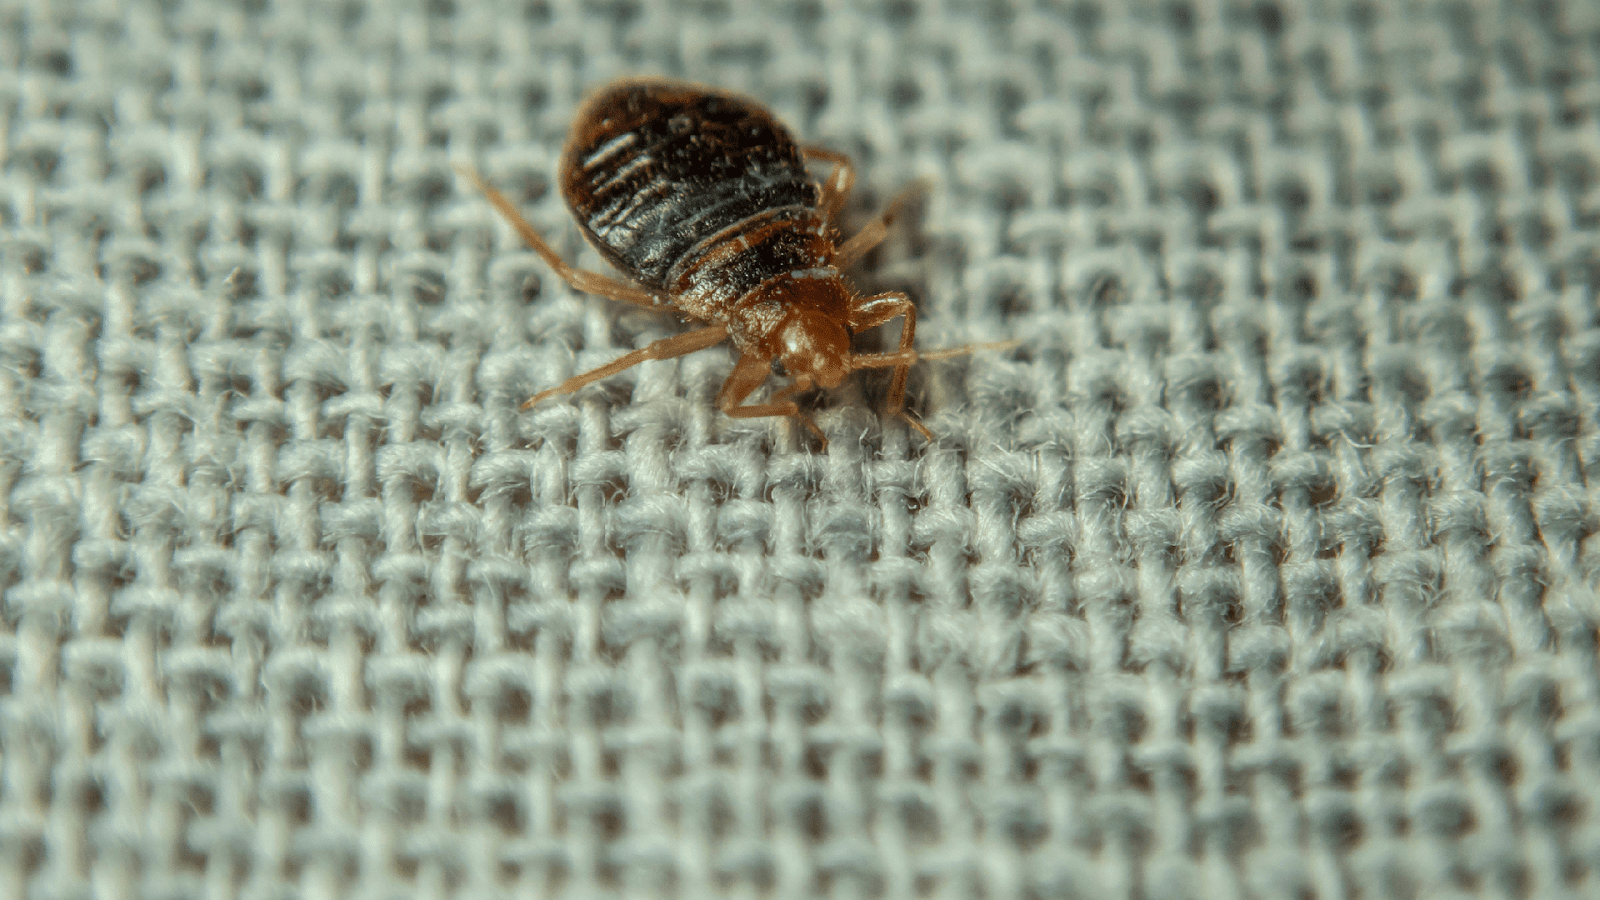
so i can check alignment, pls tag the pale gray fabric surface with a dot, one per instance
(1263, 569)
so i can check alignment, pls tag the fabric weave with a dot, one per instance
(1264, 567)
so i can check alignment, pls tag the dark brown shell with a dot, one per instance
(660, 174)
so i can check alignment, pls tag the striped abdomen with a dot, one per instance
(699, 196)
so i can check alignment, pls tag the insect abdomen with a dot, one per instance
(663, 176)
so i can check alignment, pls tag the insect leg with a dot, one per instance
(870, 312)
(875, 231)
(579, 279)
(747, 375)
(836, 190)
(666, 348)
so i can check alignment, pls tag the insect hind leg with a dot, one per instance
(836, 190)
(873, 233)
(580, 279)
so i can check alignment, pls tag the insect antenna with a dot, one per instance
(908, 357)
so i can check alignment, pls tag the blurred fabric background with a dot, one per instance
(1263, 568)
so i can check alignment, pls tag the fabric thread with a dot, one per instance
(1263, 568)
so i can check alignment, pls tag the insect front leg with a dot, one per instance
(878, 309)
(748, 374)
(666, 348)
(580, 279)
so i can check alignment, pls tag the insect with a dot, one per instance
(703, 200)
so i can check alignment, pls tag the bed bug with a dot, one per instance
(704, 201)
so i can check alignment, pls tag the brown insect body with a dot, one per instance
(704, 201)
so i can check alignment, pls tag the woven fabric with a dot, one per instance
(1263, 567)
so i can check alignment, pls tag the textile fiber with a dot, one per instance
(1262, 567)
